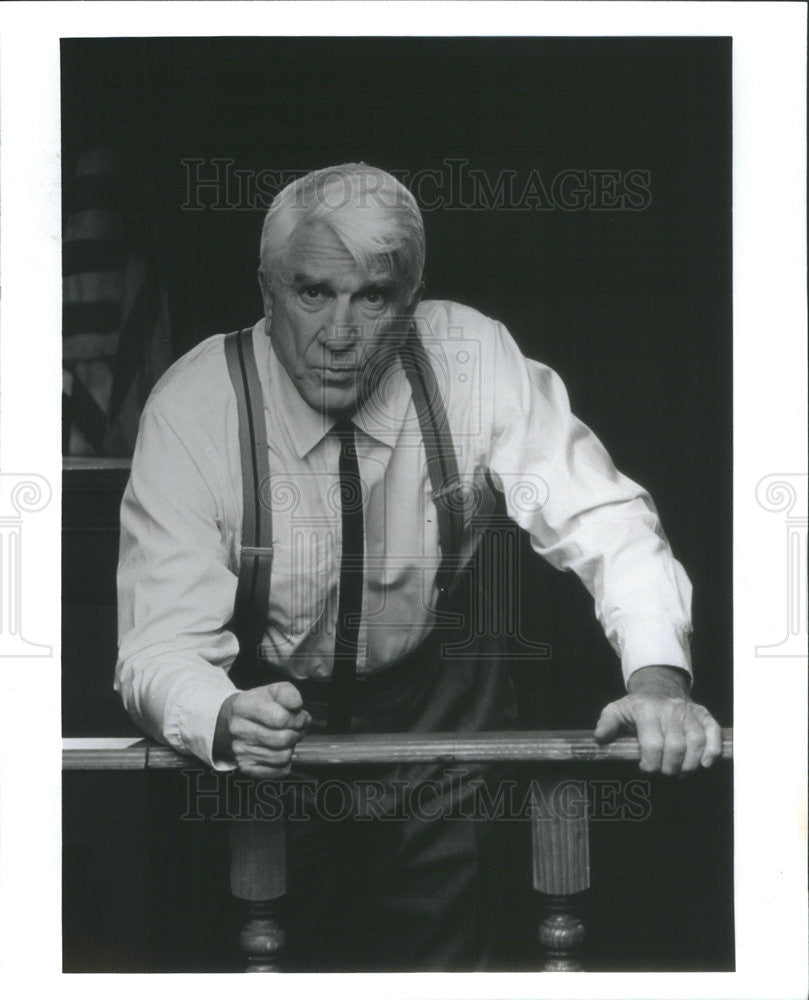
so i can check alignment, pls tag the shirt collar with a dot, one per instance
(381, 416)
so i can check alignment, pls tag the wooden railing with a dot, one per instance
(560, 837)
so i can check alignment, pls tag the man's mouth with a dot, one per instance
(340, 372)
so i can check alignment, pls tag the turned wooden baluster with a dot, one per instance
(258, 879)
(561, 850)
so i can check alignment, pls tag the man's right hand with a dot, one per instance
(258, 729)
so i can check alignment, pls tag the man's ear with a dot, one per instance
(416, 296)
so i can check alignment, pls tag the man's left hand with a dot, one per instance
(675, 734)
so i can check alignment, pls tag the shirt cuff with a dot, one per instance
(197, 721)
(663, 646)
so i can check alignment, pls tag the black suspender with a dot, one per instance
(442, 463)
(253, 589)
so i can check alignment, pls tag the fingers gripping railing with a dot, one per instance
(560, 844)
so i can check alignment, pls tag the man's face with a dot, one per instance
(333, 325)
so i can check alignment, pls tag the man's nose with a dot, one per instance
(342, 330)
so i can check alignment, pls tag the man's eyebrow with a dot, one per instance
(301, 279)
(384, 283)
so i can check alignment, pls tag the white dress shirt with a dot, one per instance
(182, 510)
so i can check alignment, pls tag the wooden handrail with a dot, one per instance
(81, 463)
(547, 746)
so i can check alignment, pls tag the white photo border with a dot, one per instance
(770, 439)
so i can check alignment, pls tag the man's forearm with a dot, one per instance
(175, 699)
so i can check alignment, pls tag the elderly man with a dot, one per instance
(305, 502)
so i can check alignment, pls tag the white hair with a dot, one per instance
(374, 216)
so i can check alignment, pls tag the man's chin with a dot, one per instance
(336, 401)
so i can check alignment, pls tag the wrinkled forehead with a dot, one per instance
(315, 250)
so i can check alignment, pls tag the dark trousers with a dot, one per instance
(391, 868)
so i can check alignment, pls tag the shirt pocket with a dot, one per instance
(302, 578)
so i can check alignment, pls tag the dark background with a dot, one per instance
(632, 308)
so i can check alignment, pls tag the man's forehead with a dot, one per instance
(316, 251)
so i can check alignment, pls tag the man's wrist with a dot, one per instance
(222, 744)
(661, 679)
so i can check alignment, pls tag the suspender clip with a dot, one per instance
(257, 551)
(445, 491)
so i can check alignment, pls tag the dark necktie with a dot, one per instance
(349, 607)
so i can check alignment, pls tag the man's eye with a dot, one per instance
(374, 298)
(312, 294)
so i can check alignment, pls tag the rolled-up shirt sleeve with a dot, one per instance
(583, 515)
(175, 591)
